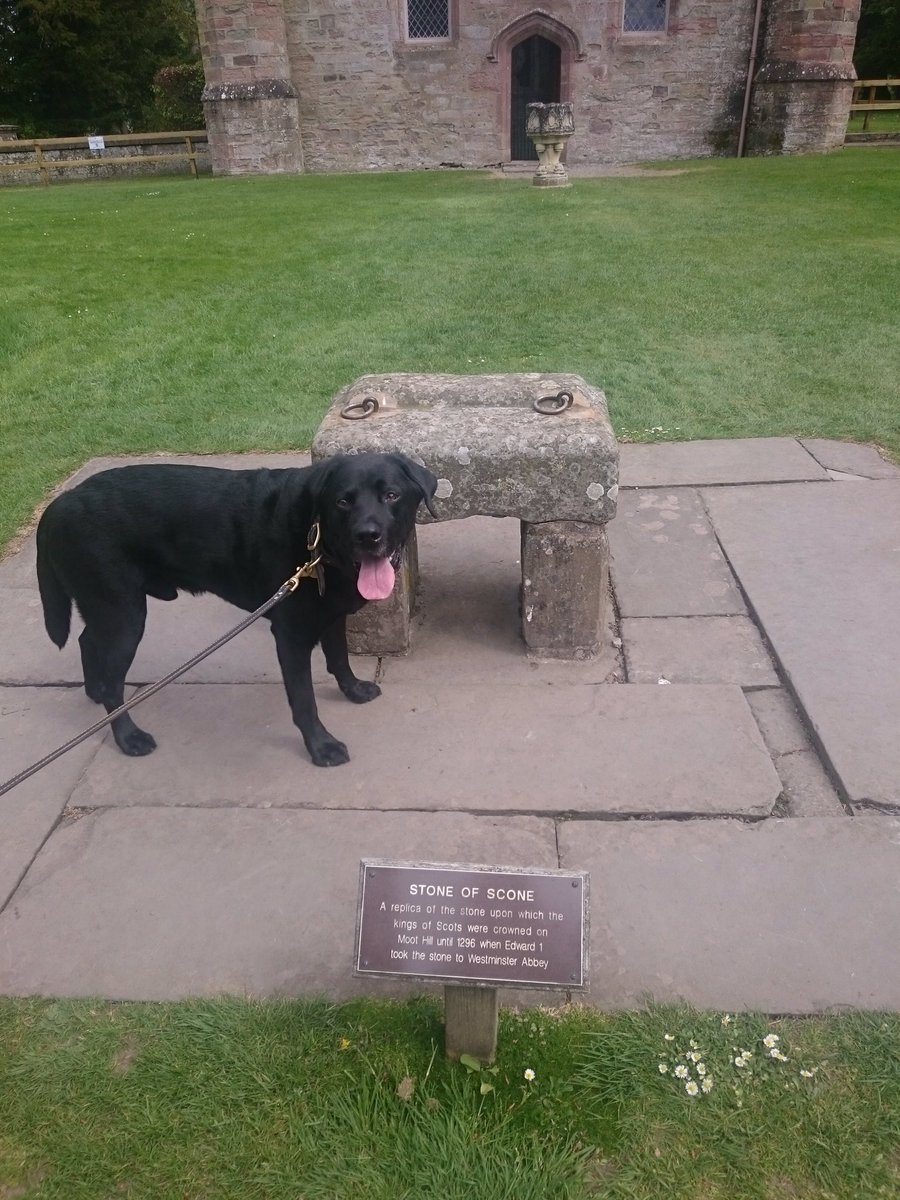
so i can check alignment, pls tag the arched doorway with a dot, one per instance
(535, 75)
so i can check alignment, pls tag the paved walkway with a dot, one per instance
(728, 769)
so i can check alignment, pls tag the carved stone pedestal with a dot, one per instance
(550, 126)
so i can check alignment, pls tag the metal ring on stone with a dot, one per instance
(550, 406)
(356, 410)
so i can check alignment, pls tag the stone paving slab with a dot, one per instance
(821, 568)
(467, 626)
(34, 721)
(849, 458)
(17, 570)
(808, 792)
(665, 558)
(181, 882)
(175, 632)
(779, 916)
(165, 904)
(626, 749)
(696, 650)
(737, 460)
(263, 903)
(779, 722)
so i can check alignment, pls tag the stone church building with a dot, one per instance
(356, 85)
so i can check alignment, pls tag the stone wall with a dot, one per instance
(105, 164)
(348, 92)
(370, 100)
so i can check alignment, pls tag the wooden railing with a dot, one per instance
(37, 148)
(871, 88)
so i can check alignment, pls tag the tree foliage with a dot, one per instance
(177, 92)
(877, 53)
(70, 67)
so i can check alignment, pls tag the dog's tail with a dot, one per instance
(55, 599)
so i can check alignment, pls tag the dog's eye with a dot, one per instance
(343, 503)
(391, 497)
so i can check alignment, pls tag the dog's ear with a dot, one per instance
(317, 480)
(424, 480)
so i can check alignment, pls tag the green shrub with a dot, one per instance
(177, 92)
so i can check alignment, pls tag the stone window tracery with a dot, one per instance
(645, 16)
(427, 20)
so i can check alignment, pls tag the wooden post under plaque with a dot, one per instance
(470, 1022)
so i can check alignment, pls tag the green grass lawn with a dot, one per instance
(879, 122)
(741, 298)
(310, 1101)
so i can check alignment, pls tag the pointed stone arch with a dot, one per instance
(544, 25)
(540, 22)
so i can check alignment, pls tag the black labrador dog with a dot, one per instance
(133, 532)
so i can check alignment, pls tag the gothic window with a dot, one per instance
(644, 16)
(427, 19)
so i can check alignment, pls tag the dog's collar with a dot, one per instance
(314, 566)
(318, 559)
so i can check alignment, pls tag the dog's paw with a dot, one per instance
(360, 691)
(329, 753)
(137, 743)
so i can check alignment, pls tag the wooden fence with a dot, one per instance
(47, 155)
(871, 88)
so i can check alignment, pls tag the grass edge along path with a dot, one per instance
(290, 1099)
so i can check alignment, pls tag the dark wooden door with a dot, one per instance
(535, 80)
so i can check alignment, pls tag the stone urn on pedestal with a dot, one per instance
(550, 126)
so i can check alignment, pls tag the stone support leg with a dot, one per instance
(565, 572)
(382, 626)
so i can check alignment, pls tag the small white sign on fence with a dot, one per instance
(96, 142)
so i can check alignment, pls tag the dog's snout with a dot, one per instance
(369, 535)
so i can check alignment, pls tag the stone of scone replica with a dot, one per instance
(538, 447)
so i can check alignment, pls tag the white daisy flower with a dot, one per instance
(707, 1084)
(529, 1074)
(663, 1068)
(681, 1071)
(691, 1088)
(770, 1040)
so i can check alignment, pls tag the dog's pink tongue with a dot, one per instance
(376, 579)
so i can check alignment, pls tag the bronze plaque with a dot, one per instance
(472, 924)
